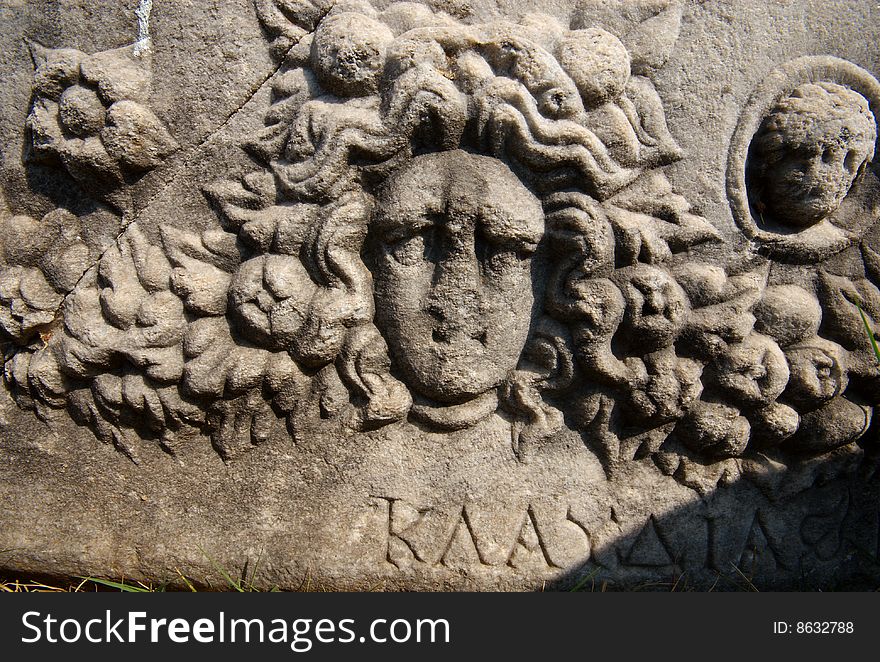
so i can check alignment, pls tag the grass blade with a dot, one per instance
(583, 582)
(254, 570)
(751, 586)
(869, 331)
(186, 581)
(234, 584)
(125, 588)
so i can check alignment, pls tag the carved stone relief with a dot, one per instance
(457, 226)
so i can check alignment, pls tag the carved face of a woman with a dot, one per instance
(453, 277)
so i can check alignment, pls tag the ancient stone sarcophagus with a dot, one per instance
(441, 296)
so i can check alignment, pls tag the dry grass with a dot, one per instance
(87, 585)
(245, 583)
(33, 586)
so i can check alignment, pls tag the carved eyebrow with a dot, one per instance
(517, 230)
(399, 223)
(503, 225)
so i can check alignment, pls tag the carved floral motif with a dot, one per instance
(88, 115)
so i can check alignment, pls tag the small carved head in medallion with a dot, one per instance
(809, 152)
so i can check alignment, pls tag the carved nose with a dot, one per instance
(456, 299)
(458, 317)
(655, 303)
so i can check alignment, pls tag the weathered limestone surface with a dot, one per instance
(452, 295)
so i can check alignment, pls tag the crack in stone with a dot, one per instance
(185, 162)
(250, 97)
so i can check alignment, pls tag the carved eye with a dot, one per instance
(494, 256)
(827, 155)
(498, 259)
(408, 251)
(851, 162)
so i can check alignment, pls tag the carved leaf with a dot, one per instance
(135, 137)
(84, 411)
(216, 364)
(365, 367)
(268, 144)
(287, 21)
(238, 203)
(56, 69)
(291, 90)
(644, 110)
(121, 73)
(45, 130)
(650, 43)
(202, 268)
(129, 271)
(637, 239)
(240, 423)
(215, 248)
(27, 301)
(722, 306)
(648, 28)
(651, 222)
(872, 263)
